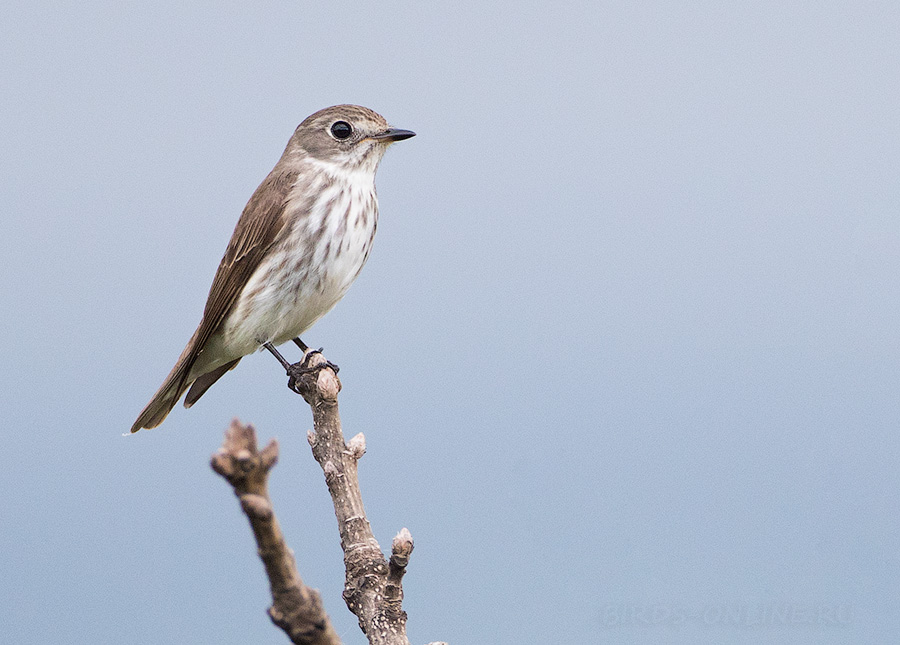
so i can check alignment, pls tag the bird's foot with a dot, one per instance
(300, 368)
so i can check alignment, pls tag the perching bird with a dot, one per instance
(300, 243)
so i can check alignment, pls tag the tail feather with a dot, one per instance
(205, 381)
(162, 402)
(178, 380)
(158, 408)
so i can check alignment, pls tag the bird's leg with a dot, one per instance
(295, 370)
(277, 354)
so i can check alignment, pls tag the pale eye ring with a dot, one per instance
(341, 130)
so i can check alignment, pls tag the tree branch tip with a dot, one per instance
(220, 463)
(240, 432)
(403, 534)
(328, 385)
(269, 455)
(357, 446)
(402, 547)
(236, 424)
(240, 441)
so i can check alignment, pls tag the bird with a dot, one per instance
(299, 244)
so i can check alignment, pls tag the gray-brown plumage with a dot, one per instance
(301, 241)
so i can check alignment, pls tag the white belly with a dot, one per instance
(305, 275)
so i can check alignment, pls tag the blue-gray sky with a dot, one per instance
(626, 350)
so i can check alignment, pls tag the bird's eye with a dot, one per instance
(341, 130)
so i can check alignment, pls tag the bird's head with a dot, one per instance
(349, 136)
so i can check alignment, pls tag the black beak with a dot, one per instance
(394, 134)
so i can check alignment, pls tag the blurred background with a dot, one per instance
(625, 351)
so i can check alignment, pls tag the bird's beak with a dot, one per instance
(393, 134)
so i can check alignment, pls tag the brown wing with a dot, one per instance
(257, 230)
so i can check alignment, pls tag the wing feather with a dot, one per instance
(258, 229)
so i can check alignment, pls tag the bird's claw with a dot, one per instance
(296, 370)
(327, 363)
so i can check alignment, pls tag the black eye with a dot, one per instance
(341, 129)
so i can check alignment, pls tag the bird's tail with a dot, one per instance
(170, 391)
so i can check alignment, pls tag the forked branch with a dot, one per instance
(373, 587)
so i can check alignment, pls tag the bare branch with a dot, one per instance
(296, 608)
(372, 588)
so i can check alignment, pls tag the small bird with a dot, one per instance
(301, 241)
